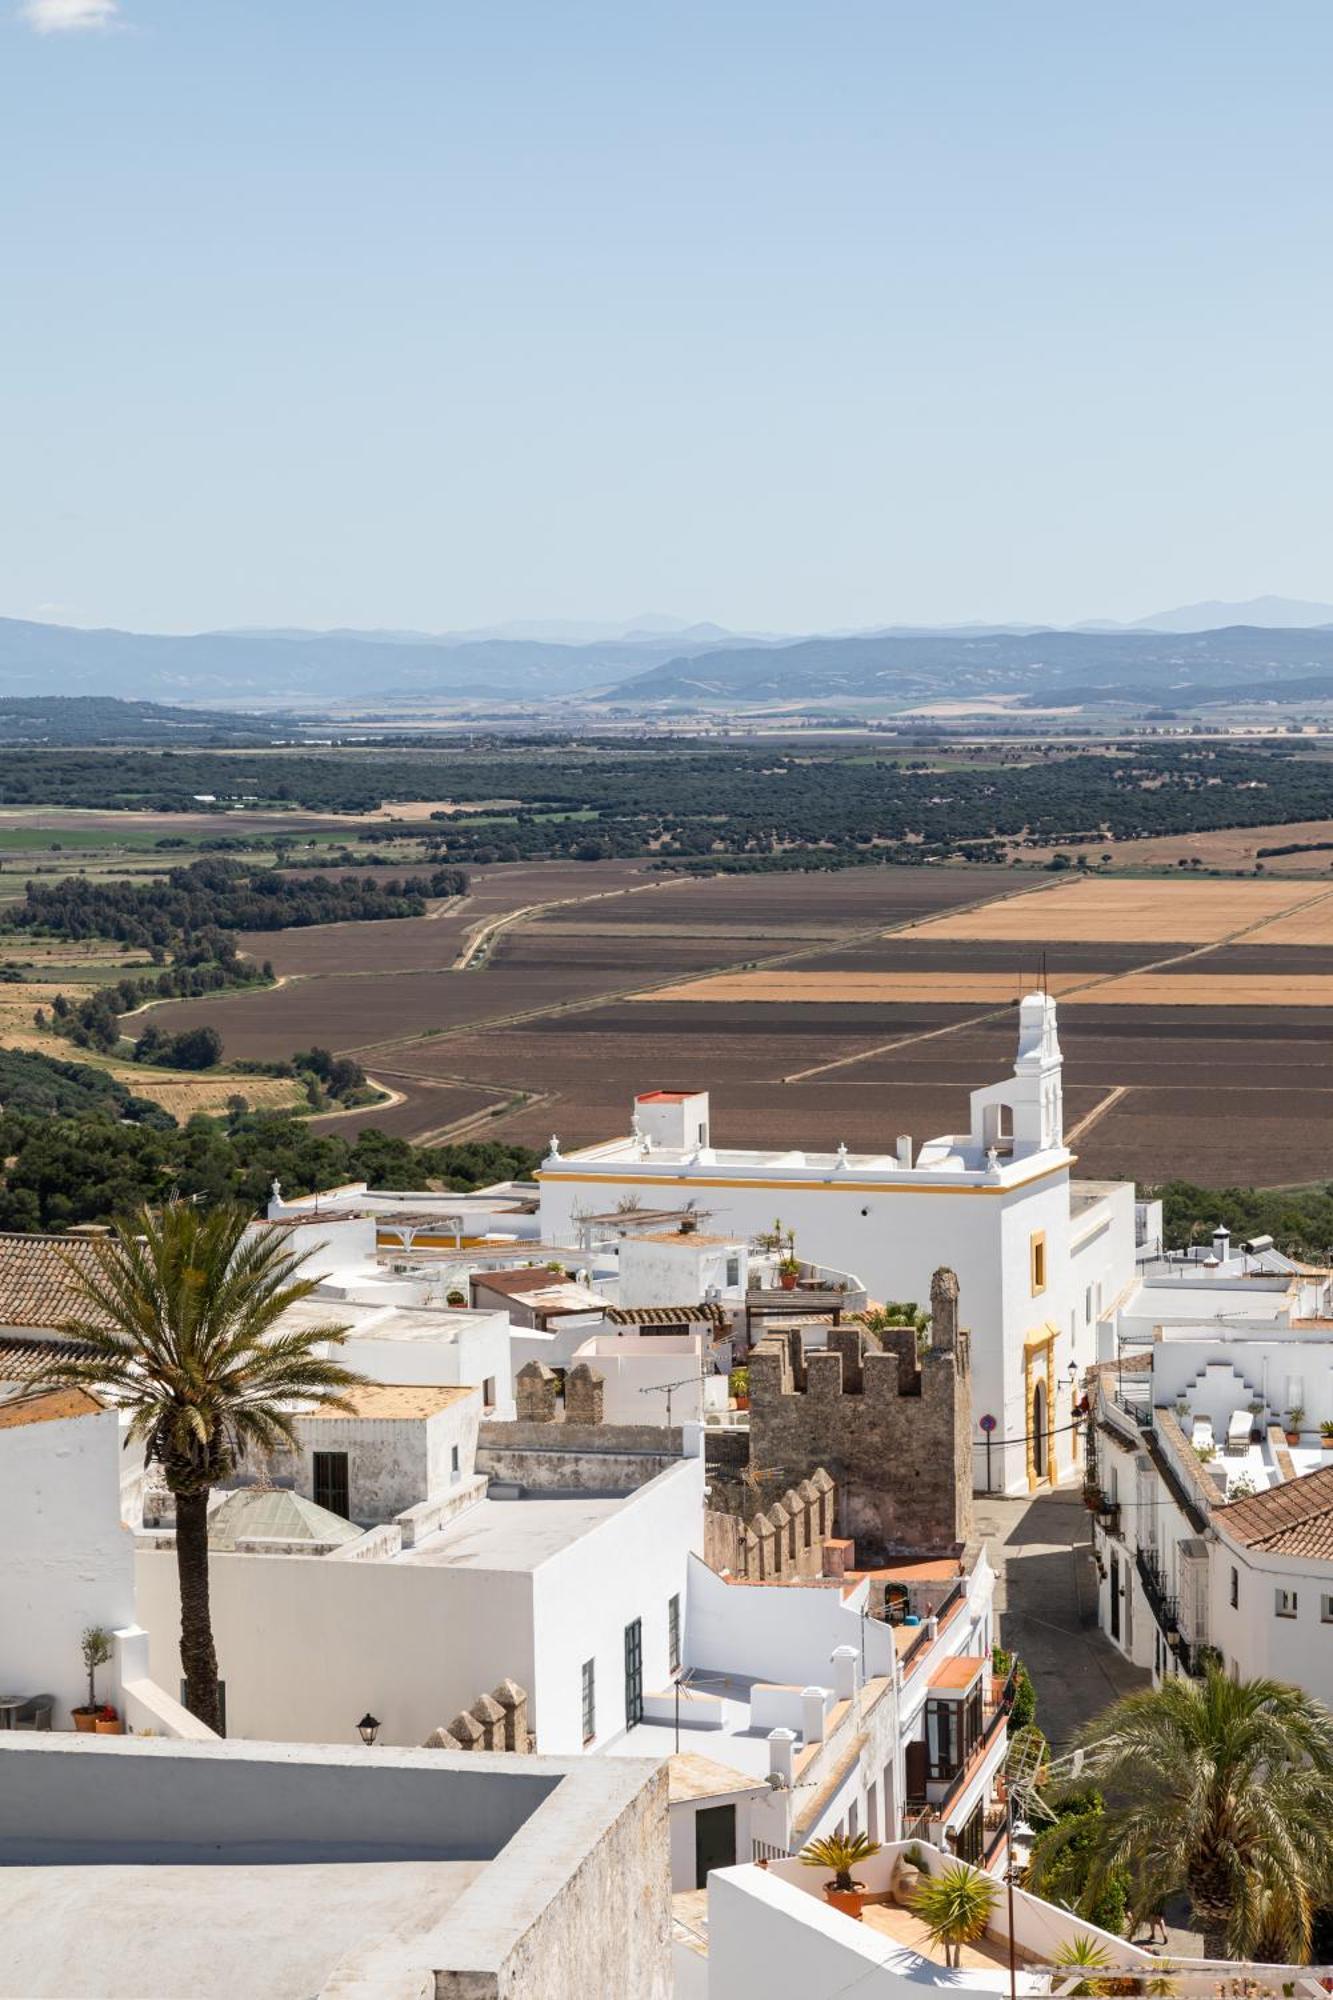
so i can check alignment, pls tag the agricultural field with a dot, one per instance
(1196, 1013)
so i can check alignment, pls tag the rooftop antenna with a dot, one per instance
(1045, 989)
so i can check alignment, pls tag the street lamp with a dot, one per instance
(369, 1726)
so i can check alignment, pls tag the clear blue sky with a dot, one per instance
(813, 314)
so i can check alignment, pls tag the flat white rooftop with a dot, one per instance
(951, 1156)
(734, 1743)
(169, 1932)
(514, 1534)
(370, 1320)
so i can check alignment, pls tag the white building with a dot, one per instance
(1040, 1257)
(1211, 1488)
(800, 1711)
(558, 1571)
(67, 1564)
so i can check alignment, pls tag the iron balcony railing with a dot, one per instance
(994, 1716)
(1165, 1608)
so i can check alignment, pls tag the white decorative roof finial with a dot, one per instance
(554, 1153)
(275, 1188)
(842, 1152)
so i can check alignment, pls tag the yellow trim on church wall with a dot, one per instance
(1039, 1370)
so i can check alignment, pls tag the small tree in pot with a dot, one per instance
(841, 1853)
(95, 1645)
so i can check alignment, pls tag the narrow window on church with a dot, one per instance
(1039, 1262)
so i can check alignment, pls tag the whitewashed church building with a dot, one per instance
(1040, 1255)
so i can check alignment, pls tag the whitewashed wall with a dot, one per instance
(65, 1560)
(1253, 1640)
(306, 1645)
(896, 1239)
(628, 1566)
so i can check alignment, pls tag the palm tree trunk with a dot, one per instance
(199, 1660)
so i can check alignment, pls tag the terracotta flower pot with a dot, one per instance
(113, 1728)
(1293, 1437)
(85, 1720)
(787, 1279)
(849, 1901)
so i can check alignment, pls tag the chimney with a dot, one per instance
(904, 1149)
(944, 1310)
(1221, 1243)
(844, 1672)
(781, 1754)
(812, 1714)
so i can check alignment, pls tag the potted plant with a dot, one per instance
(1326, 1434)
(955, 1906)
(1205, 1453)
(841, 1853)
(1256, 1428)
(106, 1722)
(455, 1298)
(95, 1645)
(1295, 1422)
(738, 1387)
(789, 1270)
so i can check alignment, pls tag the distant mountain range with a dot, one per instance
(1241, 662)
(1278, 649)
(319, 666)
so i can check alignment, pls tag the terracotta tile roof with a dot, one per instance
(27, 1360)
(943, 1569)
(396, 1399)
(1295, 1519)
(960, 1671)
(665, 1315)
(690, 1776)
(47, 1409)
(37, 1287)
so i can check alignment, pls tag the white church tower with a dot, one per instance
(1018, 1118)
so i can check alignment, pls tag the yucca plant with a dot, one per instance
(1082, 1954)
(955, 1906)
(182, 1312)
(841, 1853)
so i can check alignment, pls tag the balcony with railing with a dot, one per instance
(1164, 1606)
(945, 1789)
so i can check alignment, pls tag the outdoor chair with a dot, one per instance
(35, 1712)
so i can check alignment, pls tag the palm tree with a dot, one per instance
(955, 1906)
(180, 1309)
(1224, 1788)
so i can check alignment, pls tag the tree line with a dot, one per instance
(681, 801)
(88, 1165)
(215, 895)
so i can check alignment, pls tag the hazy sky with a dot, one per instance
(815, 313)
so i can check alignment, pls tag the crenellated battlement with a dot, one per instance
(892, 1424)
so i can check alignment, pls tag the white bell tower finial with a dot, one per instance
(1024, 1115)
